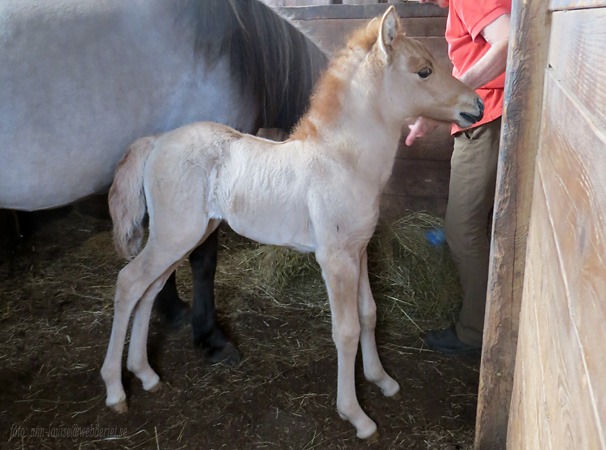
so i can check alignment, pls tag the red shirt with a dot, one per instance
(466, 45)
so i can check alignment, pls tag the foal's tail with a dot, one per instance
(127, 204)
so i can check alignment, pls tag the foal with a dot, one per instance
(316, 192)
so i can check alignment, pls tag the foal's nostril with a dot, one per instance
(481, 106)
(471, 118)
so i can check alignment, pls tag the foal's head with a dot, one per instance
(393, 75)
(414, 83)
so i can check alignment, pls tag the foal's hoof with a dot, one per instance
(372, 439)
(392, 389)
(368, 433)
(395, 396)
(121, 407)
(155, 388)
(228, 354)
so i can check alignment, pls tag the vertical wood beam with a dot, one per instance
(527, 60)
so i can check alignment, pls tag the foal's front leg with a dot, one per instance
(373, 369)
(341, 273)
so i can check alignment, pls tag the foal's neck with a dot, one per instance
(366, 136)
(348, 117)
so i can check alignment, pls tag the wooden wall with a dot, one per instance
(558, 398)
(526, 62)
(421, 173)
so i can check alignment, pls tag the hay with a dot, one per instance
(414, 282)
(413, 277)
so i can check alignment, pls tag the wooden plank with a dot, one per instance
(437, 146)
(395, 206)
(280, 3)
(411, 9)
(532, 382)
(414, 27)
(575, 4)
(531, 397)
(361, 2)
(565, 284)
(519, 141)
(554, 397)
(575, 163)
(419, 178)
(526, 429)
(577, 52)
(331, 36)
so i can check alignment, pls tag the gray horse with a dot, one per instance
(81, 79)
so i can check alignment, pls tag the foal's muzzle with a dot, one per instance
(474, 118)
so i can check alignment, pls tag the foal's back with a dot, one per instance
(260, 187)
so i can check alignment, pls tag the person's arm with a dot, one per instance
(490, 66)
(494, 61)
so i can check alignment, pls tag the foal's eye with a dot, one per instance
(424, 73)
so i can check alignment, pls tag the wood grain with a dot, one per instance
(437, 146)
(409, 9)
(565, 283)
(577, 52)
(419, 178)
(575, 4)
(527, 59)
(331, 36)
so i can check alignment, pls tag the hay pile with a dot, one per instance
(414, 282)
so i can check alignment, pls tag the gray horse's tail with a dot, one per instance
(127, 204)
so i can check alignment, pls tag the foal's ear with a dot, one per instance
(390, 26)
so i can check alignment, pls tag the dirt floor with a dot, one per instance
(55, 318)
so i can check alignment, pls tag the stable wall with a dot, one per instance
(559, 399)
(551, 189)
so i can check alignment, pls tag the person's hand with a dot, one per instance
(422, 127)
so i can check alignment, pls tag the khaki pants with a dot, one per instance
(470, 201)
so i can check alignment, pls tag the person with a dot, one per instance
(477, 34)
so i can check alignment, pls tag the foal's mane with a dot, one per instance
(267, 54)
(326, 98)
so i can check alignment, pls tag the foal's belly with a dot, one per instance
(276, 224)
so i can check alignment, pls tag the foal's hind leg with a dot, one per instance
(137, 361)
(133, 283)
(207, 332)
(373, 369)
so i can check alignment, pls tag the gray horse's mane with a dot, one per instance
(267, 54)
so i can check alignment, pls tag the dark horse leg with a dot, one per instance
(207, 333)
(168, 304)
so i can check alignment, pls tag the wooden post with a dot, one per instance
(527, 60)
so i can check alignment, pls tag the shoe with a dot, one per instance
(447, 341)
